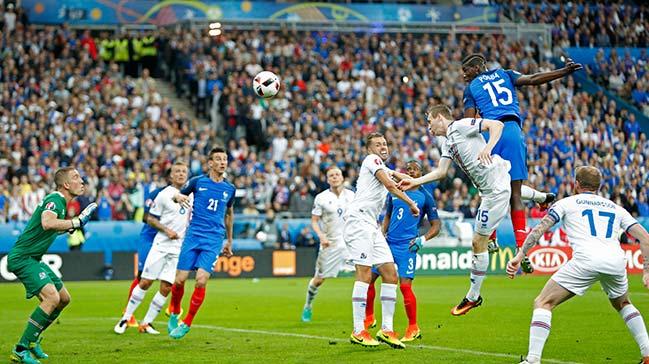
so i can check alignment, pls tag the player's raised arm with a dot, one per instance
(435, 175)
(639, 232)
(532, 239)
(391, 186)
(49, 219)
(495, 129)
(545, 77)
(398, 176)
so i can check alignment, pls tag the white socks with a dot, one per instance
(530, 194)
(539, 332)
(359, 301)
(388, 301)
(478, 274)
(133, 302)
(154, 308)
(635, 323)
(311, 292)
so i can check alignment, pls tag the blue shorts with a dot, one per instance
(143, 248)
(511, 147)
(405, 260)
(194, 256)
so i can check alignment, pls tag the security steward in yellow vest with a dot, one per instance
(149, 54)
(107, 49)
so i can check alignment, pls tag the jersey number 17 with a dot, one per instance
(591, 221)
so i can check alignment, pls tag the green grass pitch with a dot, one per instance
(246, 321)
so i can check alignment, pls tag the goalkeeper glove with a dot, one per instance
(83, 217)
(416, 244)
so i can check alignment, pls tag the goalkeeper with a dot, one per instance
(46, 223)
(401, 229)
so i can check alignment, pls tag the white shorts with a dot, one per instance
(493, 209)
(160, 265)
(331, 261)
(366, 243)
(577, 278)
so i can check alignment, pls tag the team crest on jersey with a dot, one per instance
(377, 161)
(50, 206)
(225, 195)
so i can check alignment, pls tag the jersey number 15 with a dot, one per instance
(499, 90)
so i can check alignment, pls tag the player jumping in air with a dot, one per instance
(492, 94)
(367, 245)
(170, 219)
(467, 148)
(328, 209)
(593, 225)
(24, 260)
(402, 234)
(212, 220)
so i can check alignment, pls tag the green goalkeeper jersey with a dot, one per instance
(34, 240)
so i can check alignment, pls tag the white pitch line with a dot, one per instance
(336, 339)
(431, 347)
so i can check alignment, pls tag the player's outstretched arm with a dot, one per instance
(391, 186)
(495, 129)
(639, 232)
(398, 176)
(545, 77)
(532, 239)
(49, 220)
(434, 175)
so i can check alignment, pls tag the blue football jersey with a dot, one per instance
(493, 94)
(403, 226)
(211, 201)
(148, 232)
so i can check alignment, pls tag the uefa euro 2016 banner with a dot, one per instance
(114, 12)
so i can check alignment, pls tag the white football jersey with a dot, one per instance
(593, 225)
(370, 192)
(171, 215)
(330, 208)
(463, 144)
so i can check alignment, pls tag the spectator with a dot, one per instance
(301, 201)
(306, 237)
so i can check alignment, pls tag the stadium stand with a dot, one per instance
(65, 103)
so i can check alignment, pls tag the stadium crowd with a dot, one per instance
(610, 24)
(60, 105)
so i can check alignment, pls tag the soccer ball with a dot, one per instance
(266, 84)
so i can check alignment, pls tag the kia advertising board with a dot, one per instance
(547, 259)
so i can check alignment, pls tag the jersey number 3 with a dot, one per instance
(499, 90)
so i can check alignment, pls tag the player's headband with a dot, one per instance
(473, 59)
